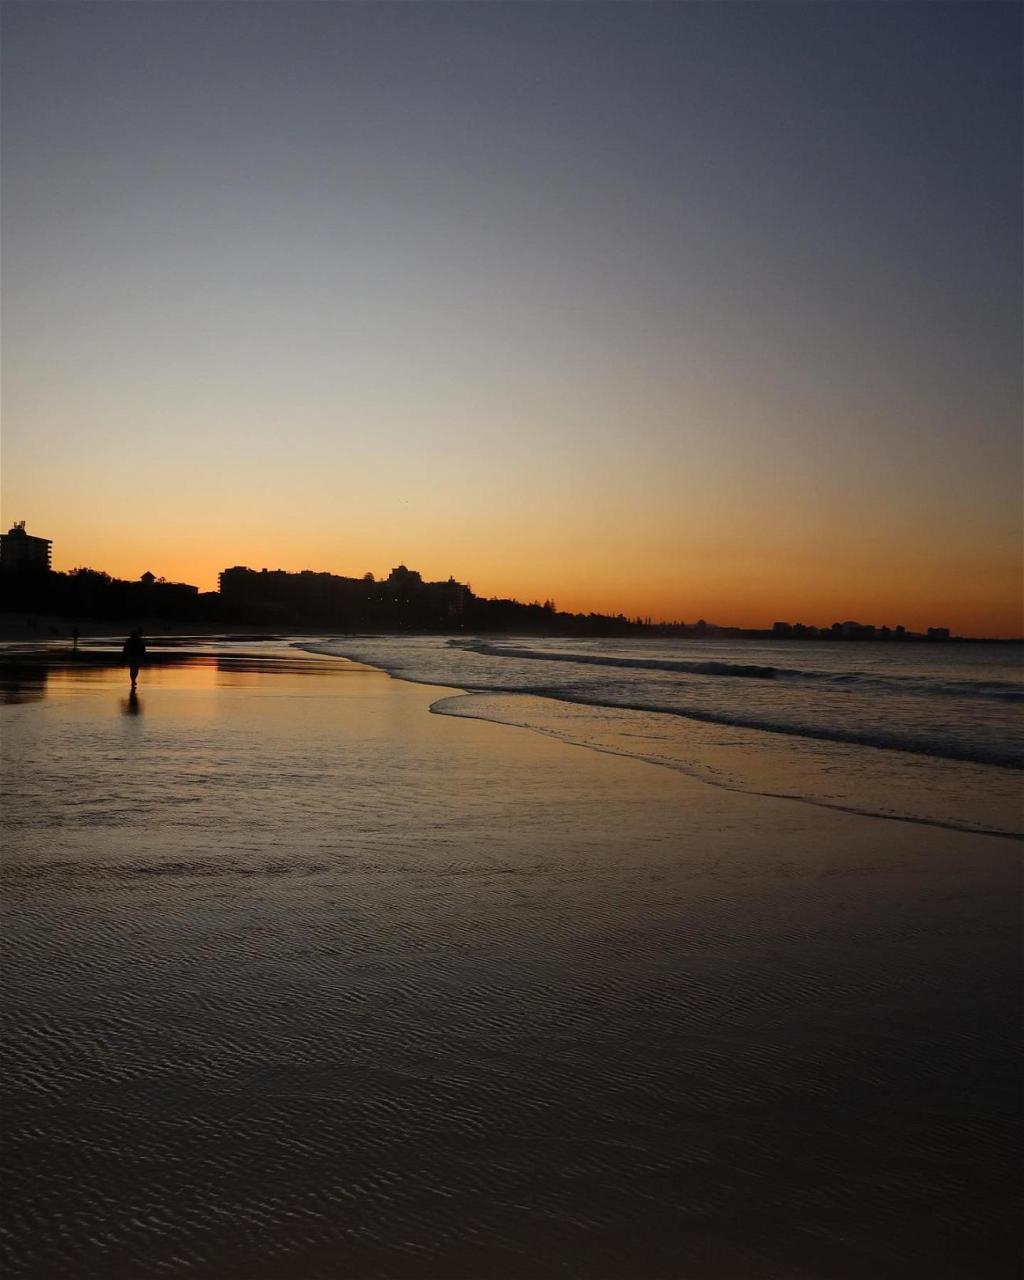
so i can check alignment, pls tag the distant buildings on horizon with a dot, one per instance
(853, 631)
(403, 598)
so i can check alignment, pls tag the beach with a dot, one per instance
(302, 980)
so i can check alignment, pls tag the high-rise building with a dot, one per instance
(22, 553)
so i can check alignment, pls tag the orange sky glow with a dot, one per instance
(691, 576)
(674, 310)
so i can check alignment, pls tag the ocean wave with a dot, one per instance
(740, 670)
(886, 741)
(1000, 690)
(919, 743)
(465, 706)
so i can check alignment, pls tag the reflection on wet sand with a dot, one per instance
(27, 677)
(22, 684)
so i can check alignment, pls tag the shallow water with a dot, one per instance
(932, 733)
(303, 981)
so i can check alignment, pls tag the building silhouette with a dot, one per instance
(157, 595)
(20, 552)
(402, 601)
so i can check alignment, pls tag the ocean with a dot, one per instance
(928, 733)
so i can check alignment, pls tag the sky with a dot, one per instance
(690, 310)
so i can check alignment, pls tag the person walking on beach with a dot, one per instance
(134, 651)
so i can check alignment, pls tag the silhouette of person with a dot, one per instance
(134, 651)
(74, 638)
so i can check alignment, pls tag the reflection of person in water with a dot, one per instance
(134, 651)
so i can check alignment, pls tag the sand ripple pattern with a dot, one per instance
(307, 987)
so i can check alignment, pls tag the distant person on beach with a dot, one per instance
(74, 638)
(134, 651)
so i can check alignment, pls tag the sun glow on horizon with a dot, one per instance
(710, 311)
(744, 592)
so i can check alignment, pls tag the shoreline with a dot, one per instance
(33, 664)
(15, 628)
(690, 731)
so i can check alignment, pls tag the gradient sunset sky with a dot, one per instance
(675, 309)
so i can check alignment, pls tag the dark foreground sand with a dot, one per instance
(302, 981)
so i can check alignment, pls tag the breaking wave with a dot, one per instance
(1002, 690)
(917, 733)
(895, 740)
(888, 712)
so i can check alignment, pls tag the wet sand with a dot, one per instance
(303, 981)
